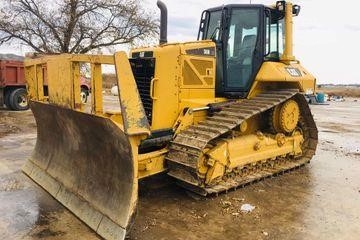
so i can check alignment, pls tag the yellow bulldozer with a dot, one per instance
(214, 114)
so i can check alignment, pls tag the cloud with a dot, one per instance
(352, 27)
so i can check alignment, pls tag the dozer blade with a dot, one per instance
(85, 162)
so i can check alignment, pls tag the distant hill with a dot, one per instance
(11, 57)
(346, 90)
(338, 85)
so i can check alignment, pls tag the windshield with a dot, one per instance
(242, 39)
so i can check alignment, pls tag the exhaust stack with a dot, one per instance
(163, 22)
(288, 50)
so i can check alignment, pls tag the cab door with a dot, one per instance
(244, 49)
(238, 31)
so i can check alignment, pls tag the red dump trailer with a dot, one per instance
(12, 82)
(13, 85)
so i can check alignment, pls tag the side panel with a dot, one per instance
(165, 86)
(60, 81)
(197, 85)
(11, 73)
(184, 77)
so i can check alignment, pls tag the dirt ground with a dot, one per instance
(318, 201)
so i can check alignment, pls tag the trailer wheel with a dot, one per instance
(18, 99)
(84, 95)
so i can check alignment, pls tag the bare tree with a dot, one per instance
(75, 26)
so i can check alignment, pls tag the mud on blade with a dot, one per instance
(86, 163)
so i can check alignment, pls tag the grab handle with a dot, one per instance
(152, 88)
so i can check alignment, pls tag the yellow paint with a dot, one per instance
(132, 110)
(134, 143)
(61, 73)
(218, 160)
(251, 148)
(96, 88)
(76, 86)
(251, 125)
(60, 82)
(152, 88)
(288, 56)
(183, 121)
(242, 151)
(274, 75)
(289, 116)
(31, 85)
(151, 163)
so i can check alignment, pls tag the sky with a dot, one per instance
(326, 35)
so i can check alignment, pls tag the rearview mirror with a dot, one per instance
(296, 10)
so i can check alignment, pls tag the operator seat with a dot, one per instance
(239, 72)
(247, 48)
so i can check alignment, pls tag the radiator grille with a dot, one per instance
(143, 70)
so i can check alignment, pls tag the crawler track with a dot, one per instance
(189, 145)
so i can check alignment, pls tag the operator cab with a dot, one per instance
(246, 35)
